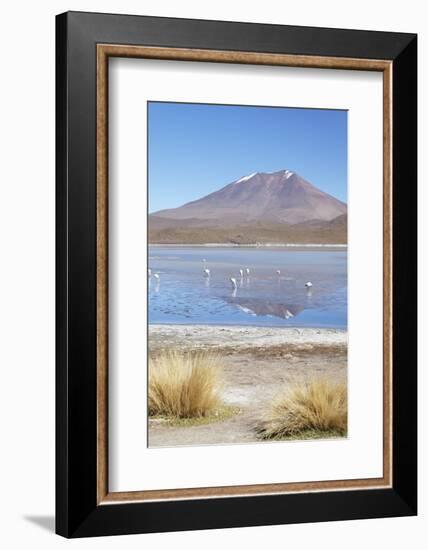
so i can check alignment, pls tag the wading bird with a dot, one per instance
(247, 271)
(207, 272)
(156, 276)
(308, 284)
(241, 272)
(233, 281)
(149, 272)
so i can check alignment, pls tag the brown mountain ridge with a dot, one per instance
(278, 207)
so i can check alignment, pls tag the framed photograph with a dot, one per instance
(236, 274)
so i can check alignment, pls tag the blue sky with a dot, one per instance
(195, 149)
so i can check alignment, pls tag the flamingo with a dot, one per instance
(233, 281)
(207, 272)
(247, 271)
(308, 284)
(241, 272)
(149, 272)
(278, 272)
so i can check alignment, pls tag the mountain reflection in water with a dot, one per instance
(261, 308)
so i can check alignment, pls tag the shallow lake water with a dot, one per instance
(183, 294)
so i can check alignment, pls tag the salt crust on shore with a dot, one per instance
(245, 337)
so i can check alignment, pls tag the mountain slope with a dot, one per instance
(315, 232)
(279, 197)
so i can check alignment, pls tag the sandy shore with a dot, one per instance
(303, 246)
(241, 338)
(257, 362)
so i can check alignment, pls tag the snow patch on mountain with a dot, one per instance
(245, 178)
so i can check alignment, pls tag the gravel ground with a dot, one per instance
(257, 362)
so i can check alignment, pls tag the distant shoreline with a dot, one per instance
(262, 245)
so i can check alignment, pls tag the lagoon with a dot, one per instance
(183, 295)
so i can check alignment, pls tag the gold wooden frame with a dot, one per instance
(104, 51)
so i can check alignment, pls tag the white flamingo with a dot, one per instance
(278, 272)
(308, 284)
(233, 281)
(207, 272)
(241, 273)
(247, 271)
(156, 276)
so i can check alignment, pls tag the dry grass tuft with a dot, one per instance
(184, 385)
(316, 407)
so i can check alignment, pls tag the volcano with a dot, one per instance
(274, 202)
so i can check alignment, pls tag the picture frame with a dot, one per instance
(84, 44)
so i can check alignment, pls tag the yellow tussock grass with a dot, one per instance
(184, 385)
(318, 405)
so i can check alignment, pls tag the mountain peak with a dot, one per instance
(275, 197)
(280, 173)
